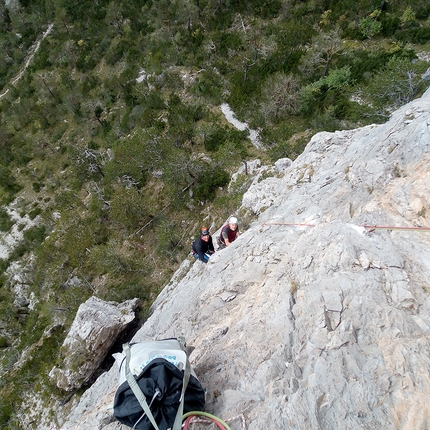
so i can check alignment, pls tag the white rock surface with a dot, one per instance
(310, 320)
(10, 239)
(231, 118)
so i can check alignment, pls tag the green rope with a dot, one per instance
(205, 414)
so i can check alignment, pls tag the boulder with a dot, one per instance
(94, 330)
(283, 164)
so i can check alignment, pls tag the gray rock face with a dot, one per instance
(311, 319)
(94, 330)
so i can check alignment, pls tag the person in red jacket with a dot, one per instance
(229, 233)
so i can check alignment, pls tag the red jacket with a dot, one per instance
(231, 234)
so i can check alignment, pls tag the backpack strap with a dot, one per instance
(135, 387)
(187, 372)
(178, 419)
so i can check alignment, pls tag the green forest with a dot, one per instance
(113, 142)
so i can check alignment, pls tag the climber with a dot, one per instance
(202, 247)
(229, 233)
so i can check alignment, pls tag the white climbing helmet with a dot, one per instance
(232, 220)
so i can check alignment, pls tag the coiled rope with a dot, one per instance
(193, 417)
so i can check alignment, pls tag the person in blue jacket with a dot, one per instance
(203, 246)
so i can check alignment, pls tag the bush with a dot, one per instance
(369, 27)
(4, 264)
(359, 113)
(326, 120)
(226, 41)
(168, 238)
(362, 61)
(281, 61)
(280, 96)
(337, 79)
(289, 149)
(396, 84)
(127, 208)
(310, 98)
(215, 139)
(34, 236)
(8, 185)
(229, 154)
(3, 342)
(5, 221)
(133, 159)
(390, 24)
(116, 51)
(172, 80)
(422, 9)
(208, 84)
(419, 35)
(108, 258)
(267, 8)
(5, 414)
(245, 87)
(208, 183)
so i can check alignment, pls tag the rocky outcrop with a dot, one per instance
(318, 315)
(96, 327)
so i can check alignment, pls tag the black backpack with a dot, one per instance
(156, 385)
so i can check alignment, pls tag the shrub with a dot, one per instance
(325, 48)
(127, 208)
(226, 41)
(172, 80)
(267, 8)
(58, 132)
(309, 99)
(133, 158)
(208, 84)
(326, 120)
(5, 413)
(419, 35)
(215, 139)
(370, 27)
(229, 154)
(34, 236)
(5, 221)
(109, 258)
(208, 183)
(390, 23)
(289, 149)
(280, 96)
(168, 238)
(116, 51)
(337, 78)
(218, 137)
(361, 61)
(3, 342)
(396, 84)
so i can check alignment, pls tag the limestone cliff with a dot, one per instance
(312, 319)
